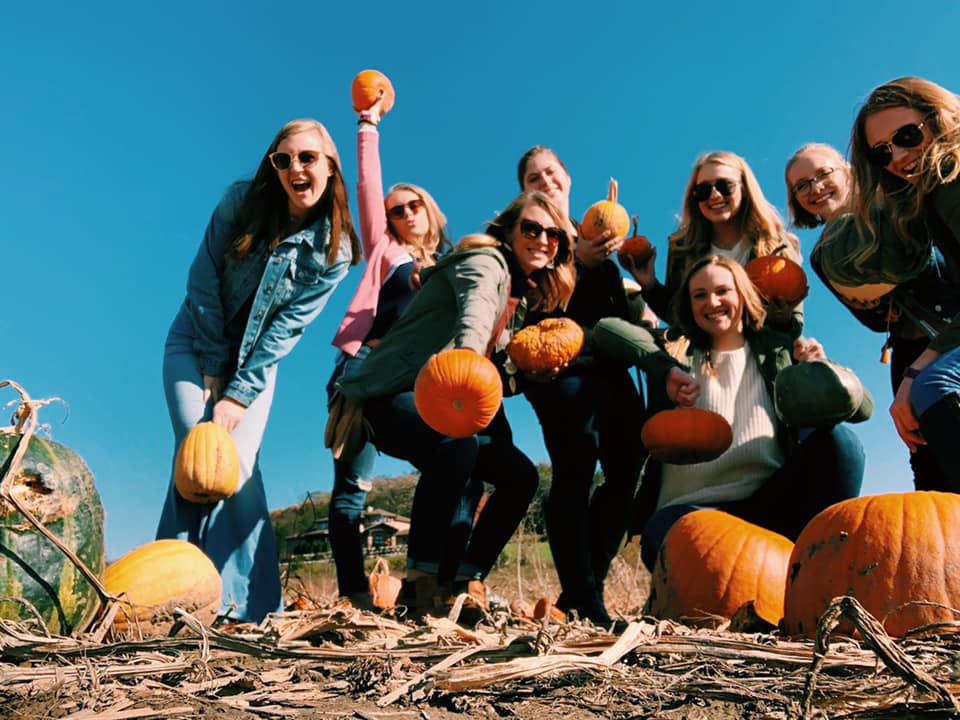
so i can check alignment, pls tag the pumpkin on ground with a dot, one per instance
(207, 468)
(712, 563)
(458, 392)
(687, 435)
(636, 247)
(367, 87)
(551, 343)
(778, 278)
(56, 486)
(157, 577)
(605, 215)
(888, 551)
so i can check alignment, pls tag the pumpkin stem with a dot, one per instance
(26, 422)
(612, 192)
(634, 220)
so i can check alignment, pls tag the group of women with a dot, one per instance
(278, 245)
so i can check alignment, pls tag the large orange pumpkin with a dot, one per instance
(605, 215)
(457, 392)
(551, 343)
(207, 468)
(367, 87)
(636, 247)
(778, 278)
(686, 435)
(712, 563)
(157, 577)
(885, 550)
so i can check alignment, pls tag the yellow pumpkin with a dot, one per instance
(207, 468)
(605, 215)
(157, 577)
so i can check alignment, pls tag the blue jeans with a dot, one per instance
(825, 467)
(452, 476)
(589, 413)
(236, 533)
(351, 483)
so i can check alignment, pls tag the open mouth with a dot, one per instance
(301, 186)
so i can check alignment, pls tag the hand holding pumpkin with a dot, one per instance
(806, 349)
(682, 388)
(228, 413)
(591, 253)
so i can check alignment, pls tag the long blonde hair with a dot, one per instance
(939, 163)
(757, 218)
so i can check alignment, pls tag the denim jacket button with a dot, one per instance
(260, 314)
(270, 287)
(938, 308)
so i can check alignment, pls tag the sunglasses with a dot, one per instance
(283, 160)
(805, 186)
(531, 230)
(702, 191)
(908, 136)
(398, 211)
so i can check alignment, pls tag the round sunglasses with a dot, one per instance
(703, 190)
(907, 136)
(398, 211)
(283, 160)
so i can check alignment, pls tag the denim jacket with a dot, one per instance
(289, 287)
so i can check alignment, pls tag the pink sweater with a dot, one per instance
(381, 250)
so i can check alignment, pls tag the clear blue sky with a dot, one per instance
(122, 123)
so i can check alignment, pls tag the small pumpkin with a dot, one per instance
(157, 577)
(778, 278)
(547, 606)
(820, 393)
(605, 215)
(713, 563)
(687, 435)
(56, 486)
(367, 87)
(458, 392)
(636, 247)
(207, 468)
(551, 343)
(887, 551)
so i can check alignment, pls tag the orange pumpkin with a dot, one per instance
(778, 278)
(687, 435)
(457, 392)
(207, 468)
(885, 550)
(636, 247)
(712, 563)
(551, 343)
(367, 87)
(158, 577)
(605, 215)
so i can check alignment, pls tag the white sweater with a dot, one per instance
(737, 392)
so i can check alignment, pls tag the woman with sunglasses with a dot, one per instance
(726, 359)
(273, 251)
(472, 298)
(725, 213)
(589, 411)
(401, 235)
(905, 153)
(818, 182)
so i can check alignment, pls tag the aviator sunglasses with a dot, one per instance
(906, 137)
(398, 211)
(283, 160)
(702, 191)
(531, 230)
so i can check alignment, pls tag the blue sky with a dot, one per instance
(121, 125)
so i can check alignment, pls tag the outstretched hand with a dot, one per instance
(374, 113)
(682, 388)
(644, 274)
(592, 253)
(228, 413)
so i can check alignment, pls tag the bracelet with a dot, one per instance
(910, 372)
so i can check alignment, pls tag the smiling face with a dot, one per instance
(881, 126)
(716, 306)
(533, 252)
(718, 208)
(823, 186)
(414, 225)
(304, 185)
(545, 173)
